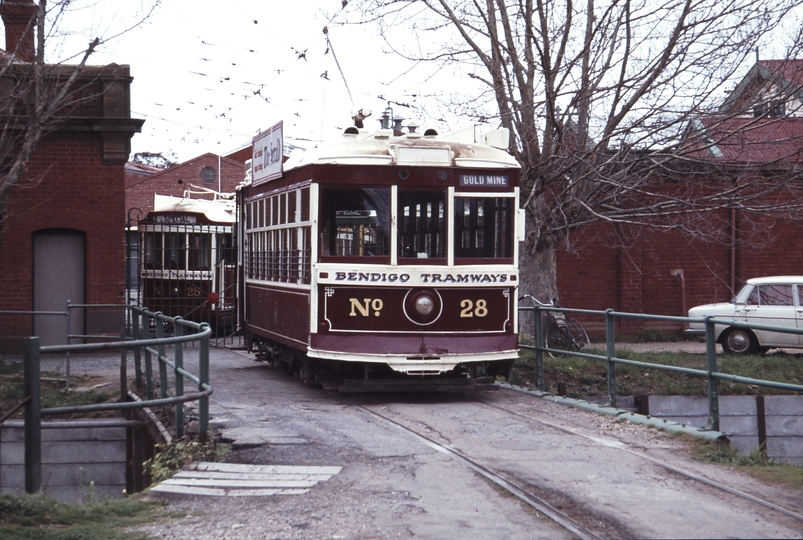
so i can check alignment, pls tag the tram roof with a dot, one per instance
(216, 211)
(454, 149)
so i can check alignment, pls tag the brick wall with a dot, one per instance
(633, 271)
(73, 182)
(76, 190)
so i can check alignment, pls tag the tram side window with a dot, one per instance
(422, 224)
(355, 222)
(483, 227)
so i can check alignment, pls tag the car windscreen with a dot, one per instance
(743, 295)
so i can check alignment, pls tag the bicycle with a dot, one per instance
(561, 333)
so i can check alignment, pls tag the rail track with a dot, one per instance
(522, 491)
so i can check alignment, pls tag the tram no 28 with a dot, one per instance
(384, 256)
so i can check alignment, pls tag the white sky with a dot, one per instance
(208, 75)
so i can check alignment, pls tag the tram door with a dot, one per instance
(59, 275)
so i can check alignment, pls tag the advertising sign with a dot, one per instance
(266, 160)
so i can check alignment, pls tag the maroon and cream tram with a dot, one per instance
(383, 256)
(188, 260)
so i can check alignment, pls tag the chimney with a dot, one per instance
(19, 16)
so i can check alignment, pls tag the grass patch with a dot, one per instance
(588, 377)
(754, 464)
(40, 517)
(655, 335)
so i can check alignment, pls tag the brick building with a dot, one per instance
(757, 134)
(63, 233)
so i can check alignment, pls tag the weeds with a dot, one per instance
(588, 377)
(172, 457)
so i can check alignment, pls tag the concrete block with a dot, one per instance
(783, 405)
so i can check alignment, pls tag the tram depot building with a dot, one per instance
(63, 235)
(63, 232)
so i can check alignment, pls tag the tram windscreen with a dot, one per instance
(422, 224)
(355, 222)
(483, 227)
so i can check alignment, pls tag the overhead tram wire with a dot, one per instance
(247, 88)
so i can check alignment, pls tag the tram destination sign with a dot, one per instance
(266, 159)
(178, 219)
(483, 180)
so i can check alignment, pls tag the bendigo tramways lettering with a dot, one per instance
(384, 277)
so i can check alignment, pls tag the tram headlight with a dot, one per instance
(424, 305)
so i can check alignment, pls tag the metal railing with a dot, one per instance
(143, 324)
(710, 373)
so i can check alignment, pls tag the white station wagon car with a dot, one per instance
(775, 301)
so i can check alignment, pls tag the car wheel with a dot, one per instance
(739, 341)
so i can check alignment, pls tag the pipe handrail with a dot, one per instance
(710, 372)
(200, 332)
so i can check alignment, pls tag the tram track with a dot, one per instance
(538, 503)
(517, 491)
(687, 474)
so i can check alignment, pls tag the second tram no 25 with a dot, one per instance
(384, 256)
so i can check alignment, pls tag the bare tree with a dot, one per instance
(155, 159)
(36, 96)
(602, 100)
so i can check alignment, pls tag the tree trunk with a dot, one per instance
(538, 277)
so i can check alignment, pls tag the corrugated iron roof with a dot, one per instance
(790, 70)
(748, 140)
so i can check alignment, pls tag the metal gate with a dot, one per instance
(186, 270)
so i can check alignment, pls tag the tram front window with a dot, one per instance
(422, 224)
(200, 251)
(153, 250)
(175, 251)
(483, 227)
(355, 222)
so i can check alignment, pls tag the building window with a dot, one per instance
(773, 109)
